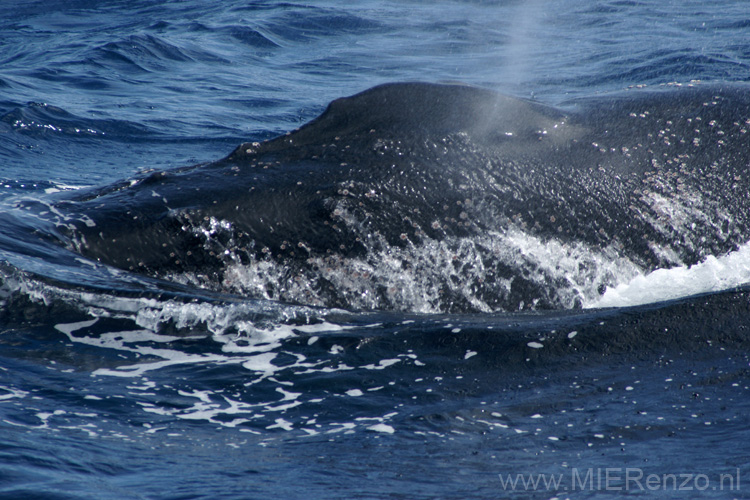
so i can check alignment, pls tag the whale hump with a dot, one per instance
(411, 109)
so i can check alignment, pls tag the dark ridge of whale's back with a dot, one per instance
(426, 109)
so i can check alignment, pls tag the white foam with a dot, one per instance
(62, 187)
(415, 277)
(281, 424)
(712, 275)
(11, 393)
(385, 428)
(246, 335)
(382, 364)
(261, 363)
(242, 341)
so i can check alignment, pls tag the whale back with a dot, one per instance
(459, 197)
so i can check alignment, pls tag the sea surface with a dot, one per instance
(115, 385)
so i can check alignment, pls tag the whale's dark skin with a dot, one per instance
(661, 176)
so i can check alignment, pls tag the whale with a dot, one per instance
(441, 197)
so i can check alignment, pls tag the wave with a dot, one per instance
(38, 119)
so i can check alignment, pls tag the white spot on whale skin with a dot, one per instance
(535, 345)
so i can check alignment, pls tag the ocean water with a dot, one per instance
(122, 384)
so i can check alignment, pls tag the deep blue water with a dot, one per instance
(113, 385)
